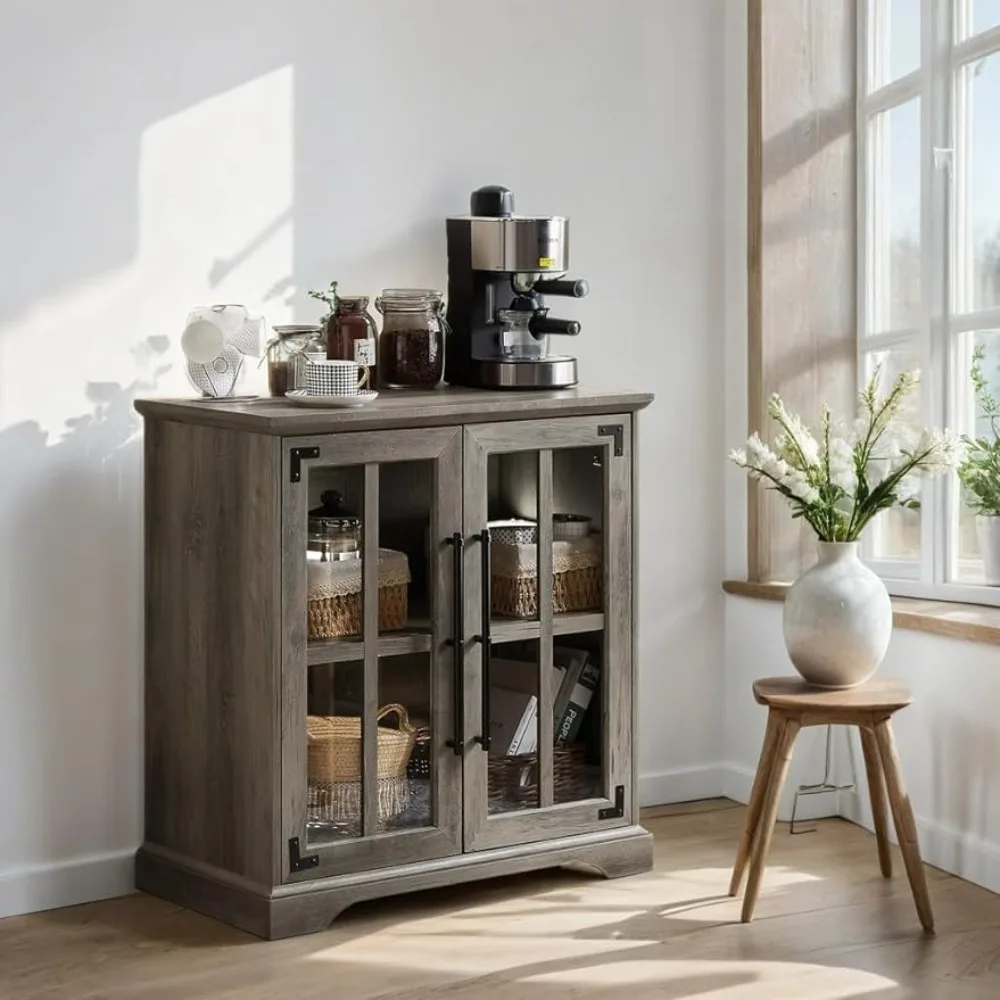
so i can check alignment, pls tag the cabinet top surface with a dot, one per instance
(393, 408)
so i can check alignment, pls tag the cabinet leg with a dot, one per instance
(876, 792)
(760, 781)
(618, 860)
(785, 740)
(906, 827)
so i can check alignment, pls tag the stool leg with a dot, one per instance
(906, 827)
(764, 767)
(769, 811)
(876, 792)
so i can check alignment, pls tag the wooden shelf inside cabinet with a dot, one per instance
(515, 629)
(415, 638)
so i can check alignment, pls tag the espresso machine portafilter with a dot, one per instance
(501, 266)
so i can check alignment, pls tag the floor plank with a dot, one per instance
(828, 927)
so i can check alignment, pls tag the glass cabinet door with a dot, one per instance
(368, 582)
(547, 658)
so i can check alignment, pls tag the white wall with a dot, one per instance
(163, 155)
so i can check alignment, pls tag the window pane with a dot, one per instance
(977, 266)
(895, 534)
(969, 567)
(894, 219)
(894, 28)
(985, 14)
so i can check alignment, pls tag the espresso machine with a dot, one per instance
(501, 268)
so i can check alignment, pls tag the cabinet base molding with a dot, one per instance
(308, 907)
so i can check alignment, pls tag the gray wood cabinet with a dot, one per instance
(322, 732)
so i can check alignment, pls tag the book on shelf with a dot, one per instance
(580, 691)
(521, 676)
(510, 716)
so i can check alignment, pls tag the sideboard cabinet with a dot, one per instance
(450, 702)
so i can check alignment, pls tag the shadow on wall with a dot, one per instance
(84, 275)
(75, 628)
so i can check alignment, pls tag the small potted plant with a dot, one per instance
(837, 615)
(979, 473)
(329, 298)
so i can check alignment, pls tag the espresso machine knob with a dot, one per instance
(493, 201)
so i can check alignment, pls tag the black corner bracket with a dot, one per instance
(297, 455)
(614, 431)
(298, 862)
(618, 810)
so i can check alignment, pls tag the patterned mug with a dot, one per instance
(334, 376)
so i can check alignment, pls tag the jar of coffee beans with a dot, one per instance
(411, 347)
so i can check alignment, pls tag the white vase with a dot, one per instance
(988, 530)
(837, 619)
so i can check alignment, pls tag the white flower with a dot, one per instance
(939, 450)
(797, 445)
(799, 486)
(739, 457)
(841, 459)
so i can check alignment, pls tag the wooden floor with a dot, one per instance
(828, 927)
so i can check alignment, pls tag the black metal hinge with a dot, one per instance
(298, 862)
(618, 809)
(615, 431)
(297, 455)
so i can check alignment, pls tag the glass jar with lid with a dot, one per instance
(334, 531)
(286, 354)
(411, 346)
(352, 334)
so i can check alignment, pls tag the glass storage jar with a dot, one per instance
(286, 354)
(411, 347)
(334, 532)
(352, 334)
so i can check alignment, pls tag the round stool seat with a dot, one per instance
(794, 693)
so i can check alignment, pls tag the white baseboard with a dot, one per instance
(683, 784)
(738, 780)
(66, 883)
(962, 854)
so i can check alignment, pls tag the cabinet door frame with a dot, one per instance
(612, 435)
(369, 449)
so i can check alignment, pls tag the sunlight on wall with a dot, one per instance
(215, 192)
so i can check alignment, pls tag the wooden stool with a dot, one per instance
(792, 704)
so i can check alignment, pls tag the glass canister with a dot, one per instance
(411, 346)
(352, 334)
(286, 354)
(517, 342)
(334, 531)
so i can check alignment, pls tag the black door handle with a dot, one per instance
(485, 638)
(457, 742)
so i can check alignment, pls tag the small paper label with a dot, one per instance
(364, 351)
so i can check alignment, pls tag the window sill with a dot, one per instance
(975, 623)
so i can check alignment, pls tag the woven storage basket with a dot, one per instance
(335, 602)
(333, 763)
(577, 578)
(513, 781)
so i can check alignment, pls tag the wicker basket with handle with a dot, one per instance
(333, 765)
(334, 746)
